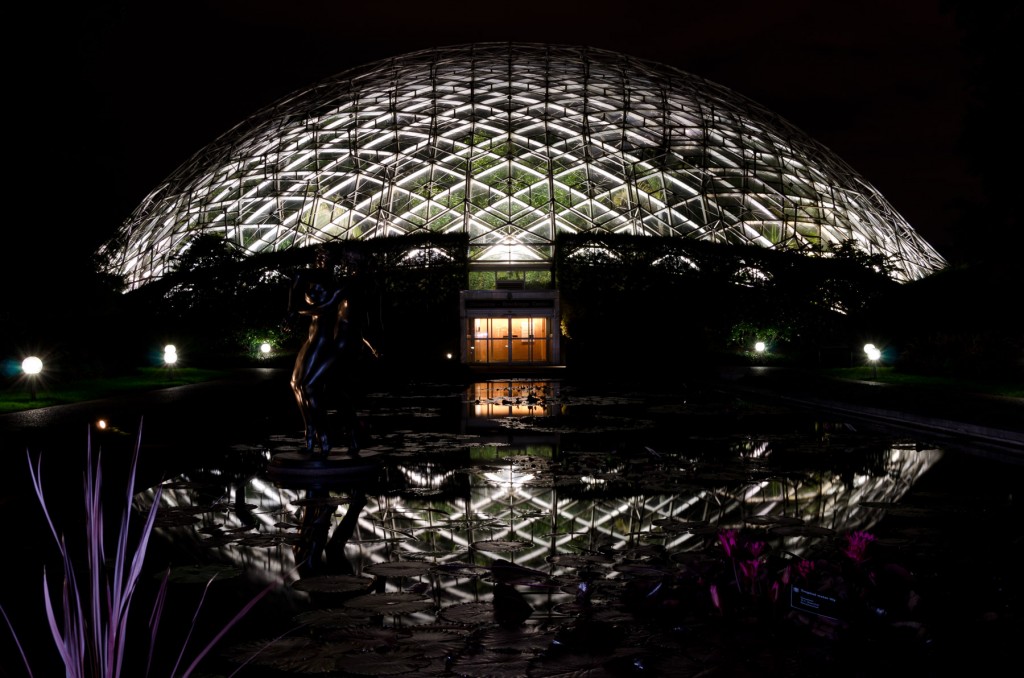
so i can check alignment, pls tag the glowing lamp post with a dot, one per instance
(760, 347)
(170, 358)
(873, 355)
(265, 349)
(32, 366)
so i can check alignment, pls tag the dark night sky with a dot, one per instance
(116, 97)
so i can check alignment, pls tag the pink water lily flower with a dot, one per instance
(728, 539)
(750, 568)
(756, 548)
(716, 600)
(857, 545)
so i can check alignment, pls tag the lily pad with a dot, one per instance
(772, 520)
(580, 561)
(405, 568)
(500, 545)
(473, 614)
(292, 654)
(391, 663)
(490, 664)
(802, 531)
(436, 641)
(329, 618)
(338, 583)
(391, 603)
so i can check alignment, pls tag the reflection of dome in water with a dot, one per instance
(511, 144)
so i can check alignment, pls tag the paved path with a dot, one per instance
(956, 417)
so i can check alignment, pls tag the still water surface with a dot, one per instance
(536, 528)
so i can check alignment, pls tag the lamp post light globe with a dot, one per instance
(760, 347)
(874, 355)
(32, 366)
(265, 348)
(170, 358)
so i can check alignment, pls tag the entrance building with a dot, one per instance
(510, 327)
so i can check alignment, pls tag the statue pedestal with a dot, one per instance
(301, 465)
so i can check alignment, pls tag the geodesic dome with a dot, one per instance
(511, 144)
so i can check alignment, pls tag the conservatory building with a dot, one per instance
(512, 144)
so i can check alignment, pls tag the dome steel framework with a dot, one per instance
(511, 144)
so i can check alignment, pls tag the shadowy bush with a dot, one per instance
(960, 322)
(655, 301)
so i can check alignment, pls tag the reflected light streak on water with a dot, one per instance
(487, 512)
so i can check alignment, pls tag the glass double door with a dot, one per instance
(510, 340)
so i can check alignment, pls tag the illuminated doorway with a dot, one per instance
(510, 340)
(510, 327)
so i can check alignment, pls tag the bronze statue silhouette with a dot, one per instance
(333, 338)
(316, 543)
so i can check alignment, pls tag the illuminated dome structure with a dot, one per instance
(511, 144)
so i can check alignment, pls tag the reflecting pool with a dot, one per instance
(529, 527)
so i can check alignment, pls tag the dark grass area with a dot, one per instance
(888, 375)
(17, 396)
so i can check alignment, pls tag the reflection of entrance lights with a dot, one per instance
(509, 478)
(753, 449)
(499, 399)
(425, 478)
(591, 480)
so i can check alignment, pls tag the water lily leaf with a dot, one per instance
(262, 540)
(362, 638)
(500, 545)
(640, 570)
(321, 502)
(337, 583)
(491, 664)
(292, 654)
(329, 618)
(707, 529)
(802, 531)
(580, 560)
(391, 663)
(579, 664)
(391, 603)
(436, 641)
(504, 572)
(903, 511)
(473, 614)
(772, 520)
(175, 519)
(536, 513)
(674, 526)
(459, 569)
(399, 569)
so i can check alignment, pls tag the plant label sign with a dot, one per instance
(813, 602)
